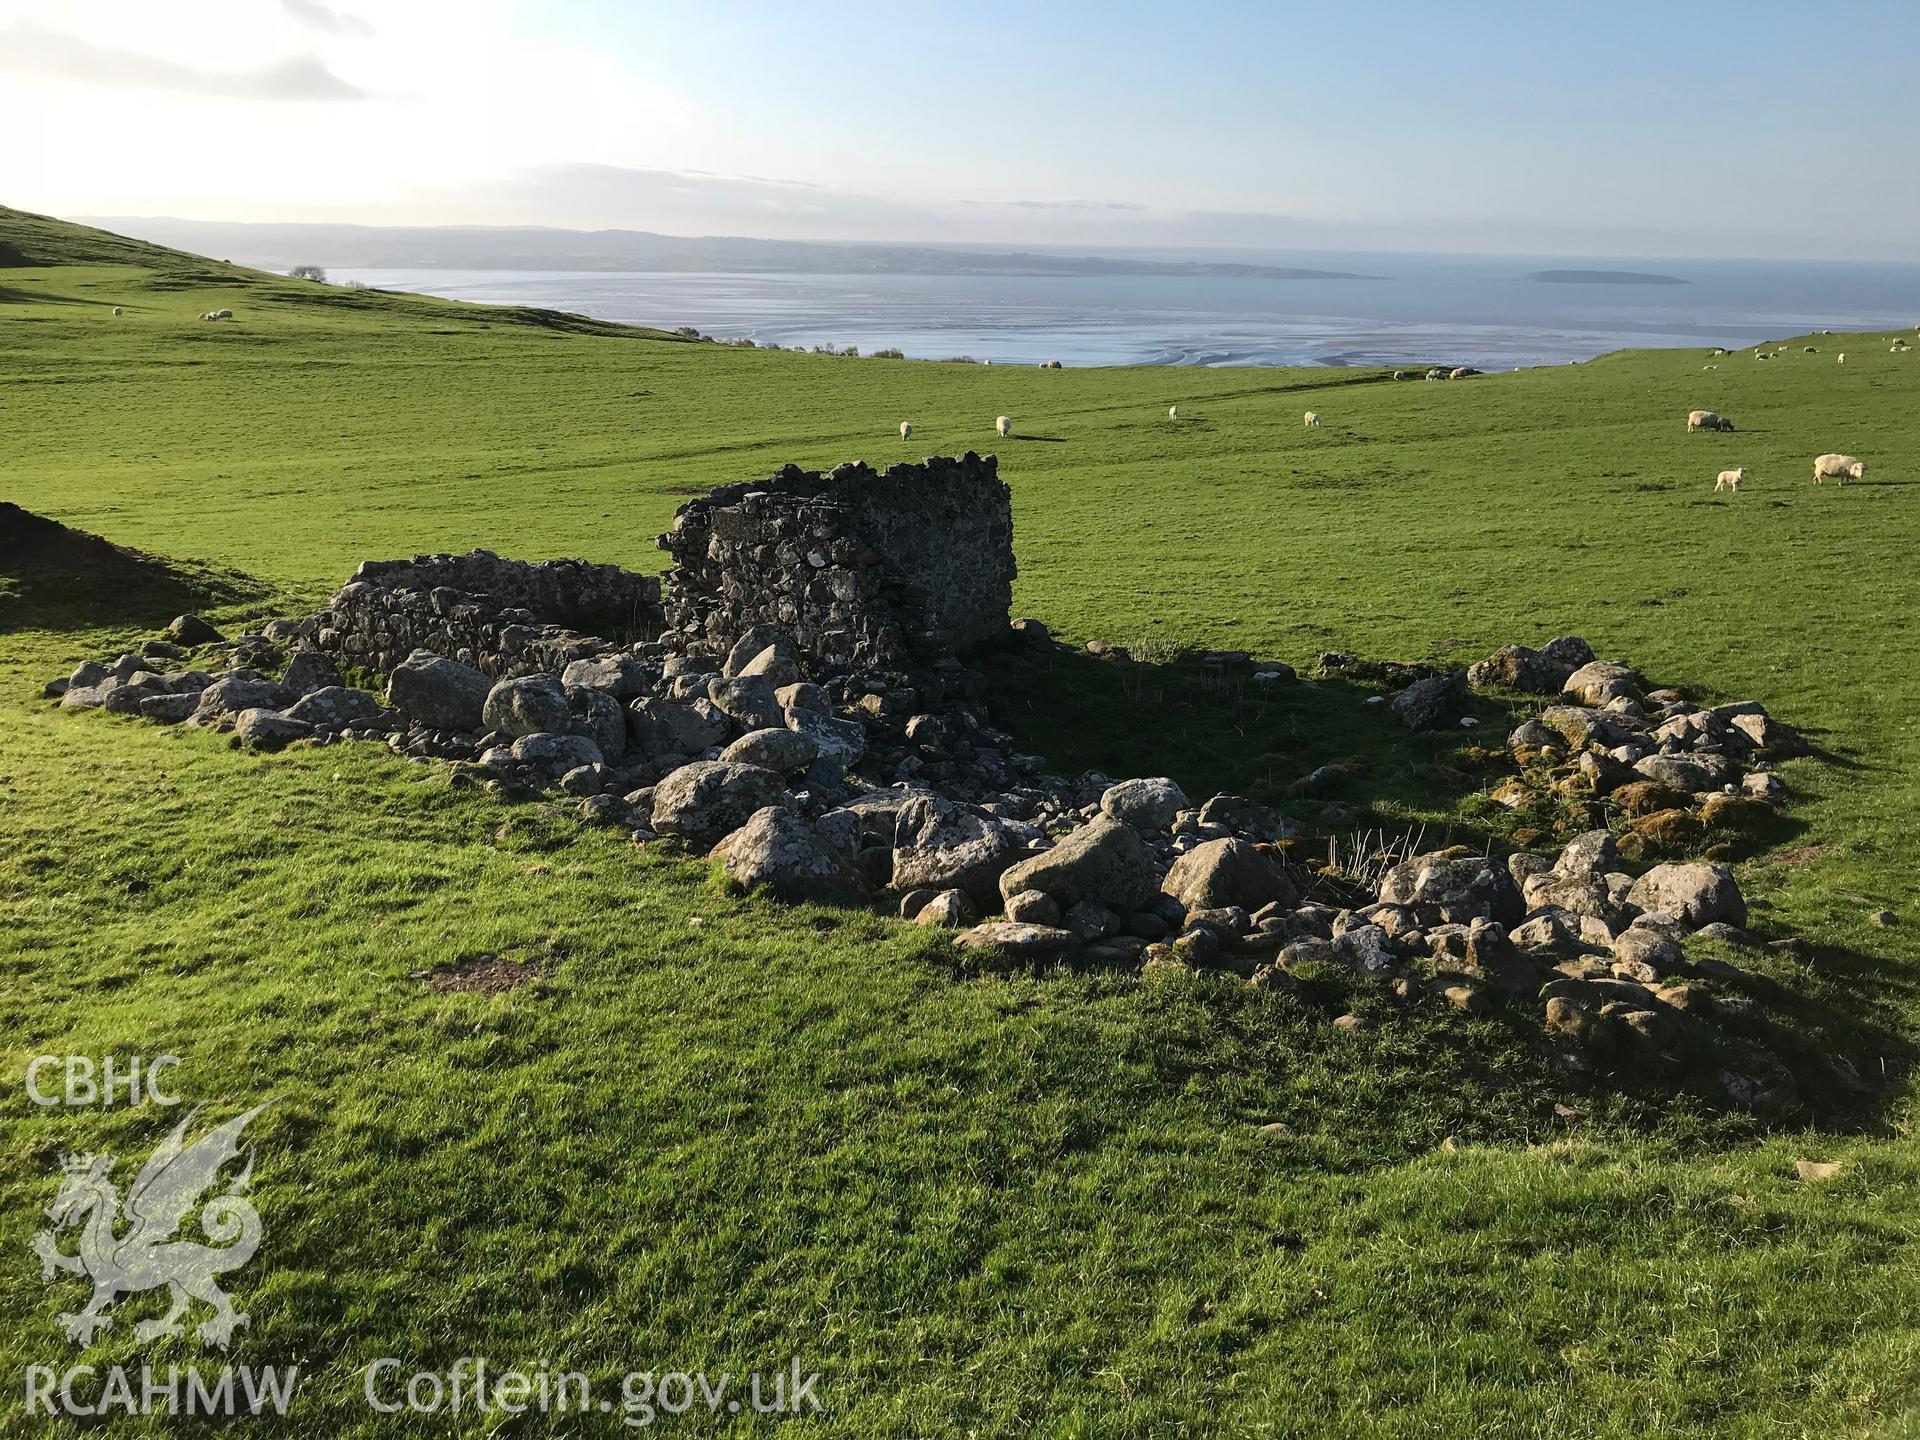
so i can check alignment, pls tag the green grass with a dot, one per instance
(713, 1133)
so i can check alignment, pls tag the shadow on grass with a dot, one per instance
(1795, 1016)
(1317, 750)
(54, 578)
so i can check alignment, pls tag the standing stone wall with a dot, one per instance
(863, 569)
(505, 617)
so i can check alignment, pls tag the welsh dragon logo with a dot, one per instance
(147, 1255)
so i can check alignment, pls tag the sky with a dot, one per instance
(1776, 128)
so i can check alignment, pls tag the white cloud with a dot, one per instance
(325, 18)
(40, 52)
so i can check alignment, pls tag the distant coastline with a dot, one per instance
(1604, 277)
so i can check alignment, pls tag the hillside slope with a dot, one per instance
(706, 1132)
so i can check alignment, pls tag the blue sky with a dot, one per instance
(1634, 129)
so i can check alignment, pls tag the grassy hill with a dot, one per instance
(709, 1133)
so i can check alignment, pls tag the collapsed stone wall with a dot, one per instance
(860, 569)
(503, 617)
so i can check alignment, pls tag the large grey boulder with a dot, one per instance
(1599, 682)
(748, 700)
(1104, 861)
(1697, 892)
(1227, 872)
(708, 799)
(599, 717)
(439, 693)
(942, 845)
(675, 727)
(192, 630)
(238, 690)
(1145, 804)
(1028, 942)
(1689, 774)
(1430, 703)
(623, 676)
(782, 751)
(311, 670)
(841, 741)
(1453, 890)
(556, 752)
(749, 646)
(779, 850)
(333, 706)
(1537, 672)
(527, 705)
(262, 729)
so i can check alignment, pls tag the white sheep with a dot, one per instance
(1173, 412)
(1730, 479)
(1843, 357)
(906, 429)
(1706, 420)
(1003, 426)
(117, 310)
(1438, 374)
(1841, 467)
(1312, 420)
(1462, 372)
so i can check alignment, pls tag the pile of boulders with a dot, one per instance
(860, 787)
(1613, 747)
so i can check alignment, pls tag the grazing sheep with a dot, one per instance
(1312, 420)
(1403, 374)
(1812, 351)
(1841, 467)
(1730, 479)
(117, 310)
(906, 429)
(1173, 412)
(1462, 372)
(1843, 357)
(1437, 373)
(1003, 426)
(1706, 420)
(1718, 351)
(1051, 365)
(218, 315)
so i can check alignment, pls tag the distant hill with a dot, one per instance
(33, 242)
(1604, 277)
(473, 247)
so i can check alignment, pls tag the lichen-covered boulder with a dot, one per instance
(599, 717)
(1688, 774)
(1697, 892)
(333, 706)
(192, 630)
(675, 727)
(779, 750)
(1453, 890)
(556, 752)
(1147, 804)
(262, 729)
(778, 850)
(310, 670)
(1221, 873)
(1009, 937)
(1430, 703)
(1104, 860)
(841, 741)
(439, 693)
(1599, 682)
(625, 677)
(708, 799)
(527, 705)
(235, 691)
(939, 844)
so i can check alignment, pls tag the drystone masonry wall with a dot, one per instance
(504, 617)
(862, 569)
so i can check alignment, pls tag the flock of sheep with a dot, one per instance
(1829, 466)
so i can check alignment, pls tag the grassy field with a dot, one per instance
(713, 1134)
